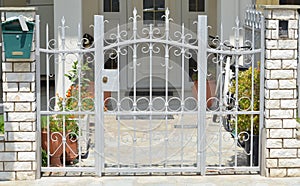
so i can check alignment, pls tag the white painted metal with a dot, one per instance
(99, 66)
(38, 94)
(126, 115)
(151, 44)
(202, 74)
(58, 109)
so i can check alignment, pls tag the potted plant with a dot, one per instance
(56, 125)
(69, 122)
(244, 120)
(55, 141)
(66, 125)
(78, 91)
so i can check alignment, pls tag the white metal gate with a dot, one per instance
(145, 130)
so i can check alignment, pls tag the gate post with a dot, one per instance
(282, 149)
(99, 104)
(18, 148)
(202, 72)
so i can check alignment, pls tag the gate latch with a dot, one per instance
(110, 80)
(104, 79)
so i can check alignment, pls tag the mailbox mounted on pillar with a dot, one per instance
(17, 36)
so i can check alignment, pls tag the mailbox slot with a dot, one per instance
(283, 29)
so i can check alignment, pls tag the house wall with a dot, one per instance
(15, 3)
(227, 12)
(94, 7)
(71, 12)
(89, 9)
(46, 12)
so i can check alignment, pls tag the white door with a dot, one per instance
(115, 12)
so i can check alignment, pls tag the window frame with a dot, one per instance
(197, 9)
(289, 2)
(154, 11)
(111, 9)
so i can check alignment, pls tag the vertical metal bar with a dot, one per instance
(63, 38)
(150, 92)
(80, 64)
(134, 29)
(166, 82)
(236, 47)
(202, 72)
(262, 88)
(118, 104)
(221, 84)
(134, 81)
(63, 62)
(38, 99)
(99, 114)
(64, 139)
(252, 94)
(47, 69)
(182, 92)
(48, 95)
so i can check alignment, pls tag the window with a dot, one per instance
(111, 6)
(289, 2)
(153, 12)
(196, 5)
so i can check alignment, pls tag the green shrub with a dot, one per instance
(44, 122)
(44, 158)
(244, 96)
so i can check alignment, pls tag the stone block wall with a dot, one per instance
(17, 149)
(282, 153)
(18, 145)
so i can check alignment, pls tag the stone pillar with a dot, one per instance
(282, 153)
(18, 145)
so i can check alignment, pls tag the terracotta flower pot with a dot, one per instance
(56, 149)
(71, 150)
(210, 90)
(44, 136)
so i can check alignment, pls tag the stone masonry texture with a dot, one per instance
(282, 156)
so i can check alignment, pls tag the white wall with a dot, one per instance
(45, 10)
(228, 11)
(89, 9)
(15, 3)
(71, 10)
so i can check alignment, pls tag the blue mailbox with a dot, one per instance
(17, 38)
